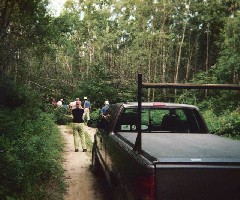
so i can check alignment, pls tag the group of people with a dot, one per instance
(60, 103)
(86, 106)
(81, 115)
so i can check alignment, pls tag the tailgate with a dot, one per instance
(198, 181)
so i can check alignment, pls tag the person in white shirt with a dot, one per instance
(72, 105)
(87, 107)
(59, 103)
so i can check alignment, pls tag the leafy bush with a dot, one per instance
(212, 121)
(228, 124)
(30, 149)
(62, 116)
(94, 116)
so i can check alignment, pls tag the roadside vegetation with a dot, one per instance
(220, 110)
(30, 147)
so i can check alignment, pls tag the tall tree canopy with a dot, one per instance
(104, 44)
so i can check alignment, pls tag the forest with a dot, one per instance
(96, 48)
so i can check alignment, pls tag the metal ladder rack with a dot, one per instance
(141, 85)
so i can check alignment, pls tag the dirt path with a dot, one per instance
(82, 184)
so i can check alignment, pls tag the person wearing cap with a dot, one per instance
(104, 108)
(87, 107)
(78, 127)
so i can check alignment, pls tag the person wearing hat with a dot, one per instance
(78, 127)
(104, 108)
(104, 116)
(87, 107)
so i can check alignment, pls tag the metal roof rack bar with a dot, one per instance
(191, 86)
(141, 85)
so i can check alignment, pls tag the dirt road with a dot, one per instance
(82, 184)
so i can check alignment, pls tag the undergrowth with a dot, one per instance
(30, 147)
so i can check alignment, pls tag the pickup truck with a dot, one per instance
(179, 159)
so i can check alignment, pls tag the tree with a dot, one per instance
(228, 67)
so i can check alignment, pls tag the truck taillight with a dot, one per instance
(145, 188)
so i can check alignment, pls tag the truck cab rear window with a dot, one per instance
(182, 120)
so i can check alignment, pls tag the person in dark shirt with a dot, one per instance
(78, 127)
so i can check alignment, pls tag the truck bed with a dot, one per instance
(207, 164)
(185, 147)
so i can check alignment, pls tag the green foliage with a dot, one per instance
(227, 124)
(13, 97)
(230, 124)
(187, 97)
(219, 107)
(212, 120)
(24, 26)
(94, 117)
(228, 64)
(30, 148)
(100, 86)
(62, 116)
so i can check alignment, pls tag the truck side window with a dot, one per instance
(128, 120)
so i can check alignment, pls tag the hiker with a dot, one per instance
(78, 127)
(87, 107)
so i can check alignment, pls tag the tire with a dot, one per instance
(96, 166)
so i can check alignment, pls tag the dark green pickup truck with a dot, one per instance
(179, 159)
